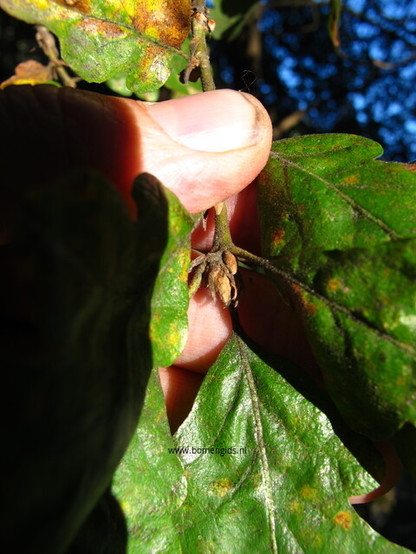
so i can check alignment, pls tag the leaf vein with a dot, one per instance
(269, 266)
(346, 311)
(131, 30)
(258, 430)
(350, 201)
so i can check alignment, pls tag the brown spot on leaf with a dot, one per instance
(344, 520)
(165, 20)
(110, 30)
(301, 296)
(277, 237)
(309, 492)
(351, 179)
(222, 486)
(333, 285)
(295, 506)
(410, 167)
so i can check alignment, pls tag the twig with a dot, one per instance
(46, 41)
(218, 267)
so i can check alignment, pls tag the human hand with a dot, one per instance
(206, 148)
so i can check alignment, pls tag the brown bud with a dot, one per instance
(230, 261)
(223, 287)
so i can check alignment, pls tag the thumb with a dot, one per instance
(206, 147)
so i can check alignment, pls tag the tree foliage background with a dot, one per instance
(365, 86)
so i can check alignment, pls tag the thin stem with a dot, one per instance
(200, 27)
(266, 264)
(218, 267)
(222, 236)
(199, 30)
(258, 261)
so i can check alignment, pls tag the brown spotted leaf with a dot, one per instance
(340, 227)
(102, 38)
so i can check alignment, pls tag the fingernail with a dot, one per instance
(214, 121)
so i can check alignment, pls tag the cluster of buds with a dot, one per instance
(217, 270)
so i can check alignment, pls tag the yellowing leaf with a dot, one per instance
(102, 38)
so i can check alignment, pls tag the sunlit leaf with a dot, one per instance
(337, 223)
(326, 192)
(100, 39)
(256, 467)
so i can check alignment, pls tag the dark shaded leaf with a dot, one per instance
(405, 442)
(75, 285)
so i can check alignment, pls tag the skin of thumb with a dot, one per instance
(207, 147)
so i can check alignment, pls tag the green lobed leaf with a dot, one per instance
(256, 467)
(360, 313)
(100, 39)
(170, 298)
(335, 223)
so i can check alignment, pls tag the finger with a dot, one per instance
(209, 329)
(179, 388)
